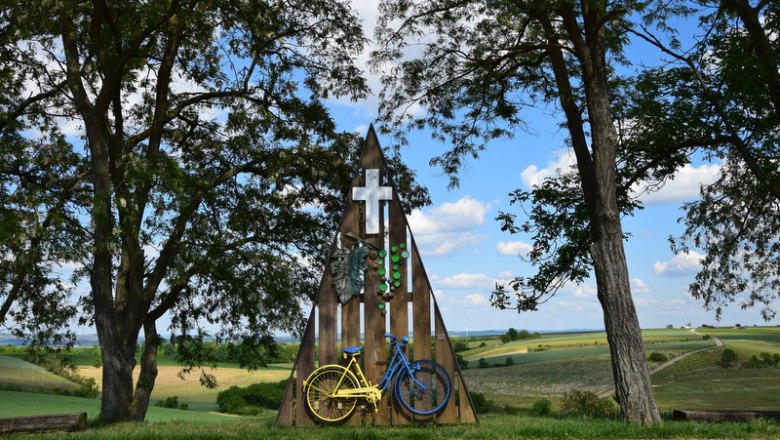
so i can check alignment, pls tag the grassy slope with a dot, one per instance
(17, 404)
(696, 382)
(20, 375)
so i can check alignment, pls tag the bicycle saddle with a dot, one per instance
(353, 350)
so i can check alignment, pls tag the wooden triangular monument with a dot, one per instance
(374, 219)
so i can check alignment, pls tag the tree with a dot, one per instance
(37, 212)
(722, 97)
(212, 170)
(481, 64)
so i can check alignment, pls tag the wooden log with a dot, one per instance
(58, 422)
(724, 415)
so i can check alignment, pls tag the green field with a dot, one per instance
(546, 367)
(16, 374)
(17, 404)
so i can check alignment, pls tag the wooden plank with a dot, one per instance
(285, 415)
(326, 302)
(724, 415)
(445, 357)
(350, 312)
(421, 307)
(466, 412)
(57, 422)
(399, 303)
(304, 367)
(375, 352)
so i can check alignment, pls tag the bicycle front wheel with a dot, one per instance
(425, 390)
(321, 386)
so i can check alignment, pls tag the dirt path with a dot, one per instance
(718, 344)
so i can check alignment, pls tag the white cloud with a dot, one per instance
(465, 280)
(684, 186)
(448, 227)
(534, 176)
(646, 302)
(513, 248)
(477, 299)
(683, 263)
(639, 286)
(585, 291)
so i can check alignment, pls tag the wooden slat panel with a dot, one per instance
(304, 367)
(421, 307)
(399, 304)
(445, 357)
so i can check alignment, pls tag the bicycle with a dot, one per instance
(332, 391)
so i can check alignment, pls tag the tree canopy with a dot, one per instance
(182, 155)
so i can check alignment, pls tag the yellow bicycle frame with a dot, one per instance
(371, 393)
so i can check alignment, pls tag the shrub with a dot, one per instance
(482, 404)
(231, 401)
(584, 404)
(251, 399)
(459, 346)
(657, 357)
(541, 407)
(462, 363)
(509, 362)
(172, 402)
(483, 363)
(728, 358)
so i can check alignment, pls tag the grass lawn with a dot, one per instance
(491, 427)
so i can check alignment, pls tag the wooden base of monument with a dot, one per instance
(376, 310)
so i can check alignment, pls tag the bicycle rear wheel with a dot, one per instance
(425, 390)
(321, 385)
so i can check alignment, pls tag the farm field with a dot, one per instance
(187, 386)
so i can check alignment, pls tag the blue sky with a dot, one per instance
(465, 253)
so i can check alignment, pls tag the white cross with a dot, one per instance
(372, 193)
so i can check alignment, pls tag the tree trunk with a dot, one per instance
(148, 375)
(118, 364)
(633, 389)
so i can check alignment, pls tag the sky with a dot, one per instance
(465, 253)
